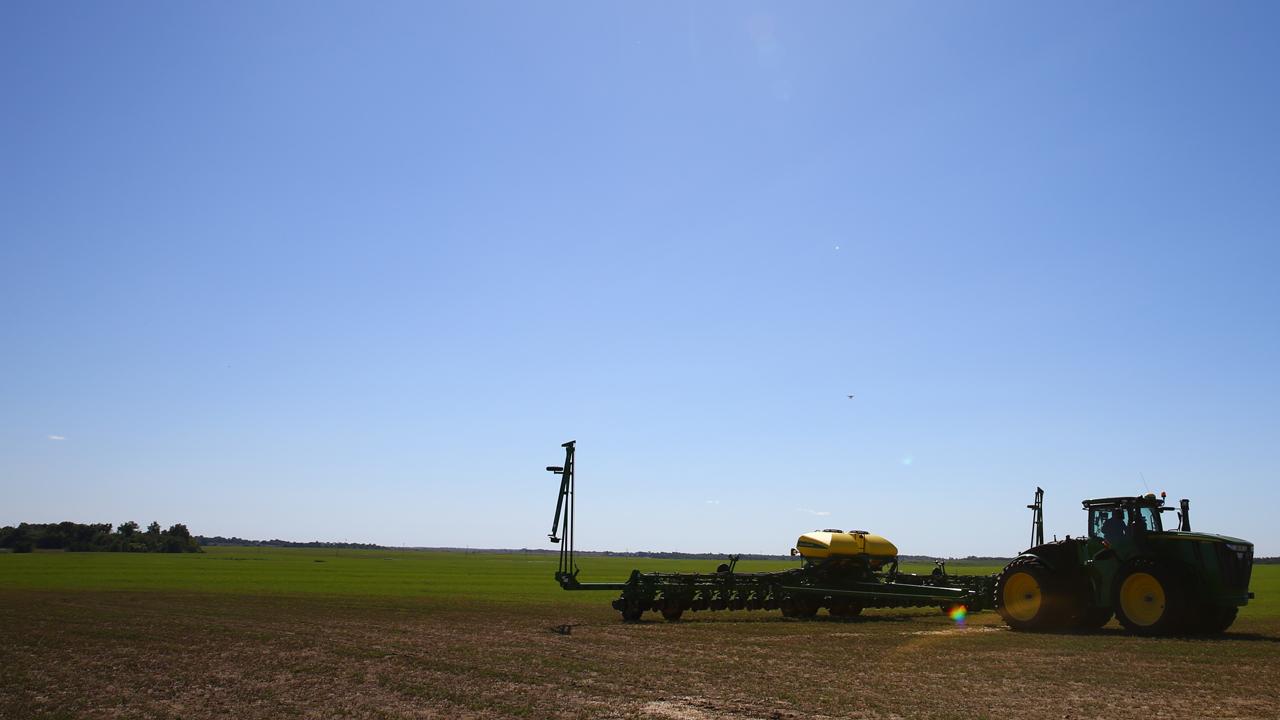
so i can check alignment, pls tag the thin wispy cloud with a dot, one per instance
(56, 437)
(713, 502)
(819, 513)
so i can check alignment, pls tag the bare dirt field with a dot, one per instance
(124, 654)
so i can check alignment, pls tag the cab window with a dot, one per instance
(1144, 518)
(1107, 524)
(1096, 518)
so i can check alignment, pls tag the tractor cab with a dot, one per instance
(1124, 525)
(1122, 519)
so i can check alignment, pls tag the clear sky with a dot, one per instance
(320, 270)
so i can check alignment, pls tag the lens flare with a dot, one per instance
(958, 614)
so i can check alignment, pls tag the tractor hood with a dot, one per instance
(1198, 537)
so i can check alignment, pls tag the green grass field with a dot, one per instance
(422, 574)
(265, 633)
(454, 575)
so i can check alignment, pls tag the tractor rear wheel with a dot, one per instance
(1150, 598)
(1028, 596)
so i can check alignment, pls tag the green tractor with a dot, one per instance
(1155, 581)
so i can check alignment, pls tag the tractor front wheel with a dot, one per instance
(1027, 596)
(1214, 620)
(1150, 599)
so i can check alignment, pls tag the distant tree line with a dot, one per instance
(97, 537)
(217, 540)
(679, 555)
(966, 560)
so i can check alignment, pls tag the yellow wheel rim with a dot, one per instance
(1142, 599)
(1022, 596)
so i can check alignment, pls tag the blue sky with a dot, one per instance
(350, 271)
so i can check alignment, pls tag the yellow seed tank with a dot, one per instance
(829, 544)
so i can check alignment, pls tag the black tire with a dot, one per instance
(1029, 597)
(798, 607)
(806, 608)
(1150, 598)
(672, 610)
(1214, 620)
(788, 607)
(632, 611)
(1091, 618)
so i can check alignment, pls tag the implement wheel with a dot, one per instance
(631, 611)
(1150, 598)
(798, 607)
(788, 607)
(1027, 596)
(672, 610)
(806, 608)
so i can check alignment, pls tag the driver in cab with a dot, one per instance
(1113, 529)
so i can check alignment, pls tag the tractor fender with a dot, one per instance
(1062, 557)
(1044, 561)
